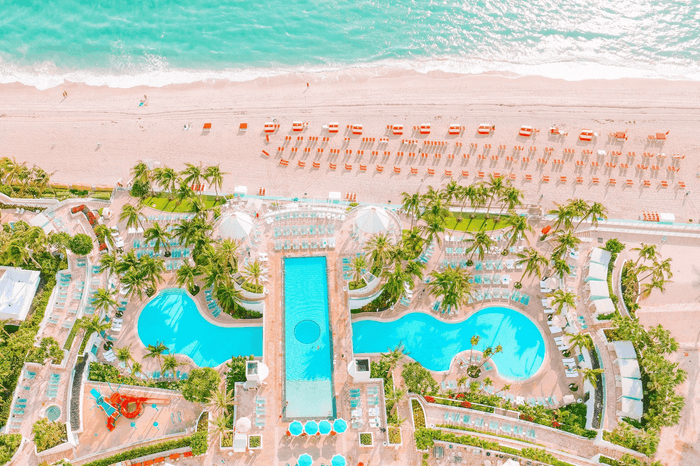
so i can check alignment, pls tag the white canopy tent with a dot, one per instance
(629, 368)
(17, 290)
(240, 191)
(604, 306)
(625, 349)
(631, 408)
(236, 225)
(42, 221)
(372, 219)
(600, 256)
(599, 290)
(596, 272)
(631, 388)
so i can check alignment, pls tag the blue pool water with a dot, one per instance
(434, 343)
(127, 43)
(173, 318)
(308, 352)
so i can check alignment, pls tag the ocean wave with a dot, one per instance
(155, 71)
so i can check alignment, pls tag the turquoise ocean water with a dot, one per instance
(156, 42)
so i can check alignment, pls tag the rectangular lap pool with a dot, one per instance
(308, 353)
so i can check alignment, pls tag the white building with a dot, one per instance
(17, 290)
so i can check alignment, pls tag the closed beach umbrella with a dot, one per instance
(338, 460)
(236, 225)
(311, 427)
(295, 428)
(340, 426)
(372, 219)
(305, 460)
(243, 424)
(325, 427)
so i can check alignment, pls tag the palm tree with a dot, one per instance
(220, 400)
(170, 364)
(94, 325)
(379, 249)
(136, 368)
(132, 215)
(187, 275)
(452, 286)
(489, 353)
(595, 212)
(412, 243)
(477, 195)
(646, 252)
(192, 175)
(580, 341)
(411, 204)
(214, 177)
(220, 425)
(394, 397)
(564, 242)
(435, 216)
(450, 192)
(152, 269)
(394, 357)
(560, 267)
(533, 262)
(495, 186)
(129, 262)
(474, 340)
(41, 180)
(488, 383)
(160, 236)
(564, 214)
(481, 242)
(135, 283)
(647, 288)
(227, 295)
(254, 272)
(226, 252)
(104, 235)
(511, 197)
(108, 262)
(123, 354)
(103, 299)
(167, 178)
(157, 351)
(141, 172)
(591, 375)
(517, 227)
(198, 207)
(183, 193)
(561, 298)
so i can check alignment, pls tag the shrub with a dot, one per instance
(418, 414)
(48, 434)
(252, 287)
(642, 441)
(140, 189)
(254, 441)
(381, 303)
(366, 439)
(48, 350)
(614, 246)
(8, 446)
(81, 244)
(394, 435)
(418, 379)
(200, 385)
(143, 451)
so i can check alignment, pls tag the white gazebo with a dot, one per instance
(598, 290)
(631, 388)
(236, 225)
(17, 290)
(600, 256)
(372, 219)
(604, 306)
(596, 272)
(625, 350)
(629, 368)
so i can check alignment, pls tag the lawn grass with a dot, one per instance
(161, 202)
(460, 223)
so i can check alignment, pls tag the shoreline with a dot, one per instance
(62, 135)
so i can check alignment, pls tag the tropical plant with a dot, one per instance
(435, 217)
(170, 363)
(393, 357)
(200, 385)
(495, 186)
(481, 242)
(358, 265)
(95, 324)
(394, 396)
(591, 375)
(561, 299)
(533, 263)
(132, 215)
(564, 214)
(187, 275)
(517, 227)
(123, 354)
(564, 241)
(214, 177)
(595, 212)
(379, 250)
(254, 272)
(104, 235)
(192, 175)
(411, 204)
(451, 286)
(167, 178)
(103, 299)
(183, 193)
(160, 236)
(157, 351)
(580, 340)
(473, 341)
(220, 400)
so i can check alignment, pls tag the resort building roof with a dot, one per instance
(597, 272)
(629, 368)
(600, 256)
(17, 289)
(625, 350)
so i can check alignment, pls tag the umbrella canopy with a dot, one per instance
(305, 460)
(311, 427)
(559, 320)
(372, 219)
(340, 426)
(325, 427)
(552, 283)
(295, 428)
(243, 424)
(236, 225)
(338, 460)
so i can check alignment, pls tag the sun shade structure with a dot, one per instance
(631, 408)
(372, 219)
(295, 428)
(305, 460)
(340, 426)
(599, 290)
(604, 306)
(311, 427)
(17, 290)
(236, 225)
(600, 256)
(243, 424)
(629, 368)
(631, 388)
(597, 272)
(338, 460)
(625, 349)
(325, 427)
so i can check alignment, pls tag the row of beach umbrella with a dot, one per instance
(307, 460)
(317, 428)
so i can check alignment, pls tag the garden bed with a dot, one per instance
(255, 442)
(381, 303)
(100, 372)
(366, 439)
(394, 435)
(418, 414)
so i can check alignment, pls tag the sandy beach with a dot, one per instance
(97, 134)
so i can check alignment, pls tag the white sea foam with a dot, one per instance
(155, 71)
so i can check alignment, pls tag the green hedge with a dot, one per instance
(381, 303)
(8, 446)
(71, 336)
(100, 372)
(469, 429)
(143, 451)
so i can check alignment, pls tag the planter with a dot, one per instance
(366, 439)
(255, 442)
(394, 436)
(226, 440)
